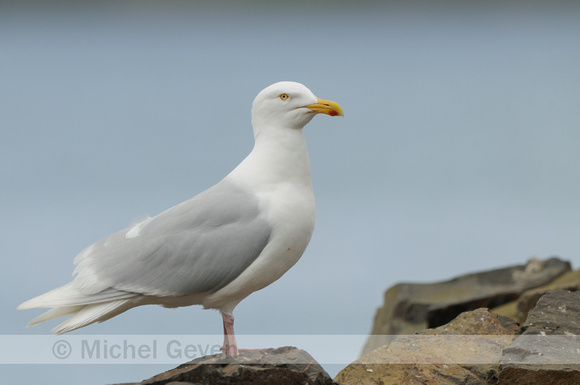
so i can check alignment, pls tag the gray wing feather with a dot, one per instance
(198, 246)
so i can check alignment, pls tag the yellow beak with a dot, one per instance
(326, 107)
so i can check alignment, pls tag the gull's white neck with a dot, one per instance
(279, 156)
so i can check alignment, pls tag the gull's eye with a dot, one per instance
(284, 96)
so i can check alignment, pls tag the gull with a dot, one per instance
(216, 248)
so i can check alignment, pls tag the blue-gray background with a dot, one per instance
(459, 150)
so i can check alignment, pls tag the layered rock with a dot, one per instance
(519, 308)
(411, 307)
(480, 347)
(528, 300)
(461, 352)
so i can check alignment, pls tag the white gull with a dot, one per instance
(216, 248)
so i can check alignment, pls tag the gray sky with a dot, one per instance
(458, 151)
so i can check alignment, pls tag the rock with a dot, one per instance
(286, 365)
(480, 347)
(509, 309)
(557, 312)
(528, 300)
(539, 376)
(548, 351)
(465, 351)
(519, 308)
(409, 307)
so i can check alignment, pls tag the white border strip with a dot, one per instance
(326, 349)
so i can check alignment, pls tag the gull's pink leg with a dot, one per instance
(230, 348)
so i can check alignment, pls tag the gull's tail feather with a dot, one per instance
(69, 295)
(84, 308)
(93, 313)
(56, 312)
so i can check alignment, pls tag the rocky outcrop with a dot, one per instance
(411, 307)
(443, 356)
(286, 365)
(480, 347)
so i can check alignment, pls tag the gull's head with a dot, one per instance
(289, 105)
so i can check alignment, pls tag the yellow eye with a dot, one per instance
(284, 96)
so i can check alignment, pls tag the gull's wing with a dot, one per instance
(198, 246)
